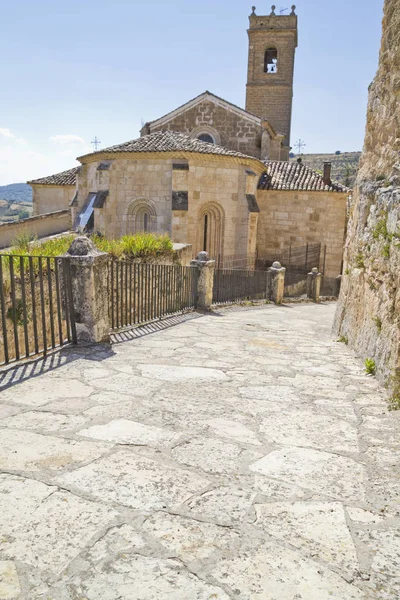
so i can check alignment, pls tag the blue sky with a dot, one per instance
(73, 70)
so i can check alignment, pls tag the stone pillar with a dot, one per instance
(337, 286)
(205, 281)
(89, 275)
(276, 284)
(314, 284)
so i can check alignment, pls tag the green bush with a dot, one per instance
(344, 339)
(370, 367)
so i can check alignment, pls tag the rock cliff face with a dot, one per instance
(368, 312)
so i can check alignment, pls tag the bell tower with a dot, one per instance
(269, 90)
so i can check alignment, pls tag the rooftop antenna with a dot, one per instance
(96, 143)
(300, 145)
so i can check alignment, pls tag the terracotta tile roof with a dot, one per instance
(169, 141)
(295, 176)
(64, 178)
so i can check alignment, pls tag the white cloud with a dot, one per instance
(22, 141)
(4, 131)
(67, 139)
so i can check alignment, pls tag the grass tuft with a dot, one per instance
(370, 366)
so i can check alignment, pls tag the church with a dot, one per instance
(212, 174)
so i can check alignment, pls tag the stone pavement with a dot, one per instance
(238, 455)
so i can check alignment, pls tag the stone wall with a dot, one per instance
(212, 183)
(295, 217)
(51, 198)
(39, 226)
(369, 304)
(227, 128)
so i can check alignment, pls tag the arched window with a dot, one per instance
(271, 61)
(206, 137)
(211, 226)
(141, 217)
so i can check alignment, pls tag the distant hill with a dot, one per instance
(17, 192)
(344, 165)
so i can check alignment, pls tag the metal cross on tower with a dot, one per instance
(96, 143)
(300, 145)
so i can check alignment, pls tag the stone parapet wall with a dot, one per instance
(39, 226)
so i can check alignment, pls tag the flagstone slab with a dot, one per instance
(44, 527)
(224, 505)
(308, 428)
(44, 421)
(38, 391)
(173, 373)
(210, 455)
(235, 430)
(30, 451)
(135, 481)
(9, 581)
(190, 540)
(319, 529)
(123, 431)
(142, 578)
(324, 472)
(272, 572)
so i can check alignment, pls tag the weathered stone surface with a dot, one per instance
(39, 452)
(122, 431)
(170, 373)
(135, 481)
(335, 475)
(384, 548)
(213, 456)
(147, 578)
(234, 430)
(224, 505)
(189, 540)
(369, 301)
(271, 572)
(9, 582)
(319, 529)
(164, 515)
(44, 421)
(38, 391)
(306, 428)
(46, 528)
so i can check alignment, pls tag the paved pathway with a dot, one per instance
(241, 455)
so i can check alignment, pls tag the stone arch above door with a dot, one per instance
(211, 227)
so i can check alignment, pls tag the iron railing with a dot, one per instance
(232, 285)
(141, 293)
(296, 258)
(36, 307)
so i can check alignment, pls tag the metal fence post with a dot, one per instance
(276, 284)
(314, 284)
(205, 280)
(88, 271)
